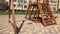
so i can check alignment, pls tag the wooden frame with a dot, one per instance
(38, 10)
(42, 11)
(16, 29)
(13, 16)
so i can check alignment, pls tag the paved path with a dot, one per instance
(34, 28)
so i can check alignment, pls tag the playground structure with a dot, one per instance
(13, 16)
(42, 13)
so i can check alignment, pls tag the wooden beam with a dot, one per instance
(41, 13)
(13, 16)
(9, 8)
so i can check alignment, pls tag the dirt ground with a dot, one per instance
(28, 27)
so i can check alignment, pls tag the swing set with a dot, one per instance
(36, 12)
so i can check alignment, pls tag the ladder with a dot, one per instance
(48, 14)
(47, 17)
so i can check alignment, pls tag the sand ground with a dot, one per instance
(34, 28)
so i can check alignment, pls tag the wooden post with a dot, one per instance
(41, 12)
(9, 9)
(13, 16)
(37, 13)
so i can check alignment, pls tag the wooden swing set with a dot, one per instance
(40, 13)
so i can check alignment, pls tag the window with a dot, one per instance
(19, 5)
(25, 1)
(20, 0)
(41, 1)
(14, 0)
(54, 8)
(52, 1)
(14, 5)
(25, 6)
(0, 4)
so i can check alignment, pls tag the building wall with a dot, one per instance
(23, 4)
(53, 4)
(59, 5)
(18, 5)
(3, 5)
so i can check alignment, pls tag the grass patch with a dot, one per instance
(19, 12)
(16, 12)
(3, 13)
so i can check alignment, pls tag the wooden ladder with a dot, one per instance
(48, 14)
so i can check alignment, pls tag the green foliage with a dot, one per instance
(16, 12)
(19, 12)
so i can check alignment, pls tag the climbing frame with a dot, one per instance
(42, 14)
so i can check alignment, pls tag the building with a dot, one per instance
(19, 4)
(23, 4)
(53, 4)
(58, 5)
(3, 5)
